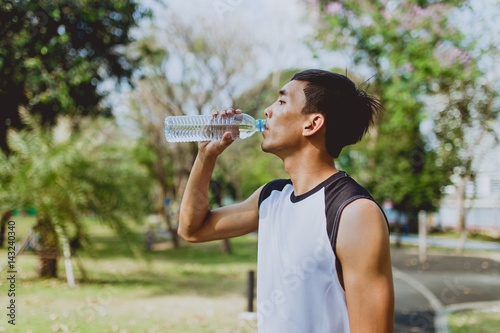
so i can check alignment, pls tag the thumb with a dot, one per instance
(227, 139)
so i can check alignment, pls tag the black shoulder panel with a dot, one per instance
(275, 185)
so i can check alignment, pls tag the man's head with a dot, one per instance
(347, 109)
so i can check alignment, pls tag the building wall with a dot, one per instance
(483, 204)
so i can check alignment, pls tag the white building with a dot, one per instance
(483, 197)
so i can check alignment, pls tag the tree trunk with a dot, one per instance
(3, 224)
(461, 215)
(161, 178)
(226, 246)
(422, 237)
(171, 229)
(399, 233)
(216, 191)
(47, 262)
(49, 251)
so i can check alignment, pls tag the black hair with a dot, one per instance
(348, 110)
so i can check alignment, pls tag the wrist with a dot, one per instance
(205, 157)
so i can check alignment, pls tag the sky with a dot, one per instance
(276, 28)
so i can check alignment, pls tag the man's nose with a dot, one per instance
(267, 112)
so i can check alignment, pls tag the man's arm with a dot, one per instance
(364, 253)
(197, 223)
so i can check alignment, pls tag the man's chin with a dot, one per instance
(268, 147)
(264, 148)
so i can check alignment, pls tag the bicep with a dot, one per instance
(231, 221)
(364, 253)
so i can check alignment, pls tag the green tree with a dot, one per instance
(466, 126)
(53, 54)
(396, 41)
(67, 175)
(469, 106)
(207, 80)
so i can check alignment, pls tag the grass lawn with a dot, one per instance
(474, 322)
(195, 288)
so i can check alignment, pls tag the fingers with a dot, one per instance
(222, 144)
(226, 112)
(216, 147)
(225, 119)
(227, 139)
(219, 127)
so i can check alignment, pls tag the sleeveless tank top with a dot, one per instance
(298, 289)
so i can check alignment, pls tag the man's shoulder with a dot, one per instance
(345, 182)
(365, 206)
(343, 199)
(362, 214)
(343, 190)
(362, 223)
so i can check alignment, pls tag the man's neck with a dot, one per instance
(308, 170)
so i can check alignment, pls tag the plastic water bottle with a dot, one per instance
(209, 128)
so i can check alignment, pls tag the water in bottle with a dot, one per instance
(209, 128)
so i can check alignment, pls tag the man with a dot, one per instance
(323, 252)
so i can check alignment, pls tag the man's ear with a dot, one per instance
(313, 123)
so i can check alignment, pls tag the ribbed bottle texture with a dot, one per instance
(209, 128)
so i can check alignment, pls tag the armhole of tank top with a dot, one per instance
(336, 221)
(334, 232)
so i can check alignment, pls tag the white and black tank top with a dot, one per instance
(298, 288)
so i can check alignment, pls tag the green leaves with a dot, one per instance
(69, 171)
(54, 53)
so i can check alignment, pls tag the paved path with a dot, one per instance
(445, 281)
(449, 243)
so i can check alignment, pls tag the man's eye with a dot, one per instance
(281, 102)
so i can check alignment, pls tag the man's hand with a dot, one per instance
(212, 149)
